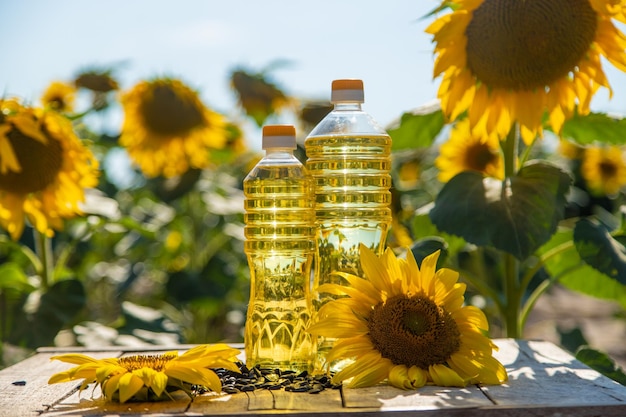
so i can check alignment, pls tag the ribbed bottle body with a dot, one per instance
(352, 181)
(280, 247)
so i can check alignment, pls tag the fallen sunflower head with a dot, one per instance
(150, 377)
(406, 325)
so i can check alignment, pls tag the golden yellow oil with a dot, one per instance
(280, 247)
(352, 184)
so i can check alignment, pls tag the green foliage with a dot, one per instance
(417, 129)
(600, 250)
(517, 215)
(565, 266)
(422, 248)
(50, 312)
(602, 363)
(595, 127)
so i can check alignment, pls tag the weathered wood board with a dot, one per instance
(544, 380)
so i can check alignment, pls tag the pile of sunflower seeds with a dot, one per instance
(272, 379)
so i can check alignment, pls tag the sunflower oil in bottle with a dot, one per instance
(349, 158)
(280, 248)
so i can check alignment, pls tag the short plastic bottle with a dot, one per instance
(280, 248)
(349, 158)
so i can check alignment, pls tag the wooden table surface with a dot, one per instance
(544, 380)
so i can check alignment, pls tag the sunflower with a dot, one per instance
(604, 169)
(150, 376)
(59, 96)
(259, 97)
(467, 151)
(167, 130)
(407, 325)
(44, 169)
(99, 81)
(507, 61)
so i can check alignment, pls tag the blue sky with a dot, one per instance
(202, 41)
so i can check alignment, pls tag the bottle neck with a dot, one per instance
(277, 153)
(347, 106)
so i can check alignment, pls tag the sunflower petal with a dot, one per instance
(198, 376)
(373, 268)
(159, 383)
(129, 385)
(75, 358)
(349, 348)
(111, 385)
(445, 376)
(404, 377)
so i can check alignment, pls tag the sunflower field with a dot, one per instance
(137, 237)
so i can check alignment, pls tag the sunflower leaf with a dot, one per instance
(602, 363)
(417, 129)
(517, 215)
(13, 278)
(565, 264)
(595, 127)
(600, 250)
(424, 247)
(56, 308)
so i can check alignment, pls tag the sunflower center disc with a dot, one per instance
(156, 362)
(40, 163)
(413, 331)
(528, 44)
(168, 113)
(479, 156)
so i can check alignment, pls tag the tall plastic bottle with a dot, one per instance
(349, 158)
(280, 247)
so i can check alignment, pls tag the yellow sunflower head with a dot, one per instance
(406, 324)
(604, 169)
(147, 377)
(44, 169)
(467, 151)
(59, 96)
(167, 129)
(507, 61)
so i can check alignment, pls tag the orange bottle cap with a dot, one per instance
(279, 136)
(347, 90)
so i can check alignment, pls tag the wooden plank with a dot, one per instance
(328, 400)
(541, 373)
(260, 399)
(544, 381)
(388, 398)
(25, 389)
(218, 404)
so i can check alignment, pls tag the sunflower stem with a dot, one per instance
(540, 290)
(511, 282)
(510, 149)
(43, 248)
(528, 276)
(513, 297)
